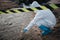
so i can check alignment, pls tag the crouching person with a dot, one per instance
(44, 20)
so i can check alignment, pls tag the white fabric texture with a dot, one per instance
(43, 17)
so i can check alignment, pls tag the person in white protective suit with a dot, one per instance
(44, 19)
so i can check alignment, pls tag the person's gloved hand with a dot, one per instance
(25, 30)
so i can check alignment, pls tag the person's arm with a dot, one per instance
(33, 22)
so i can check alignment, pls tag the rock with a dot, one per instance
(11, 26)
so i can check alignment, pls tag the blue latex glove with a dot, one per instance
(25, 30)
(45, 30)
